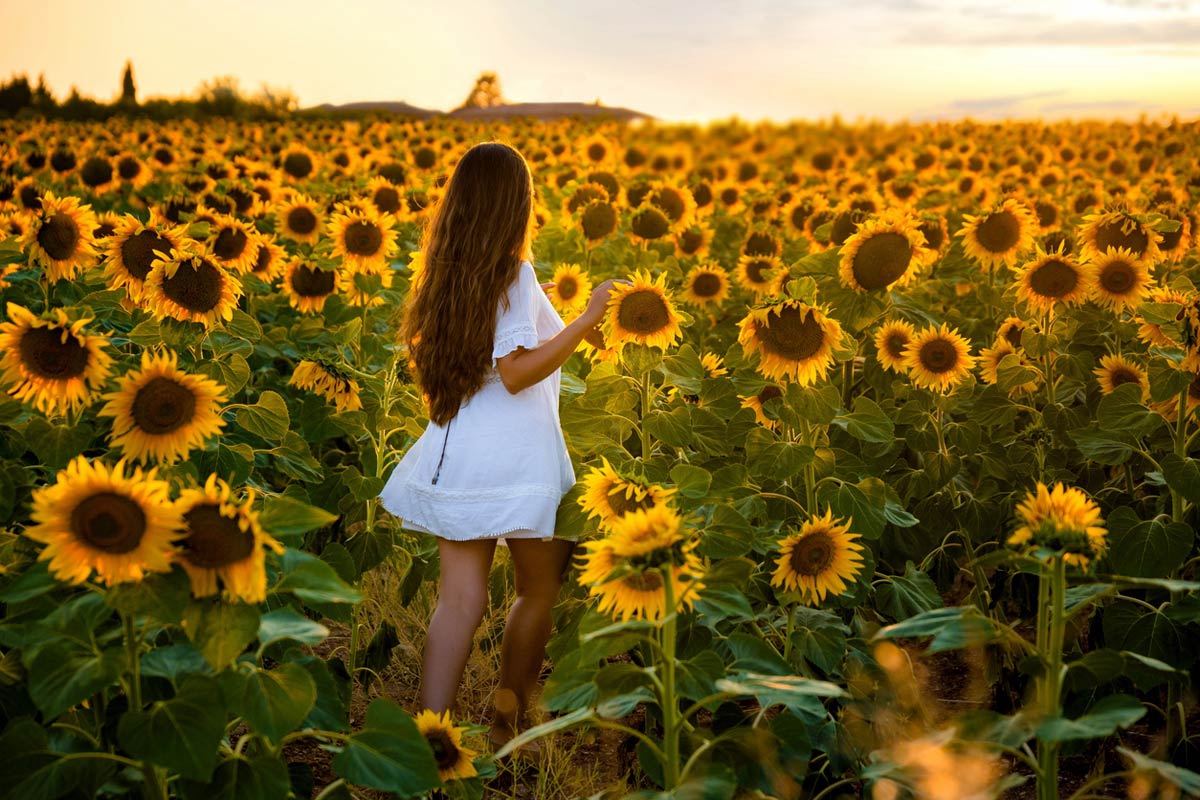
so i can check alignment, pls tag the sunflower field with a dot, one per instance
(888, 451)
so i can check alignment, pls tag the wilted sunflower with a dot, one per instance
(365, 240)
(641, 312)
(328, 380)
(884, 251)
(760, 274)
(1053, 278)
(757, 402)
(938, 358)
(189, 286)
(233, 243)
(609, 494)
(989, 363)
(890, 340)
(1118, 228)
(1152, 333)
(1064, 520)
(96, 518)
(308, 286)
(1001, 236)
(1116, 370)
(299, 218)
(572, 287)
(51, 363)
(223, 539)
(598, 221)
(707, 285)
(820, 559)
(454, 761)
(1119, 280)
(131, 250)
(161, 412)
(793, 339)
(61, 237)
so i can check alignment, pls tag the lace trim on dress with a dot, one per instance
(517, 336)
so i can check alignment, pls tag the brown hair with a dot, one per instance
(473, 245)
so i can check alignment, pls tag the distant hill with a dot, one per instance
(542, 111)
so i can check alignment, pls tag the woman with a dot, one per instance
(492, 464)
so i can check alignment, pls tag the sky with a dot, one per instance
(678, 60)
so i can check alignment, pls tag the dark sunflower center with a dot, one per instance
(1013, 335)
(598, 220)
(301, 220)
(938, 356)
(444, 751)
(213, 540)
(670, 201)
(999, 233)
(596, 151)
(1055, 278)
(96, 171)
(363, 238)
(1119, 376)
(1122, 232)
(769, 393)
(298, 165)
(387, 199)
(196, 285)
(568, 287)
(706, 284)
(1047, 213)
(230, 244)
(111, 522)
(163, 406)
(1118, 277)
(651, 223)
(310, 282)
(622, 503)
(137, 252)
(643, 312)
(793, 334)
(895, 344)
(690, 240)
(760, 244)
(647, 581)
(59, 236)
(45, 354)
(262, 262)
(813, 554)
(129, 168)
(755, 269)
(881, 260)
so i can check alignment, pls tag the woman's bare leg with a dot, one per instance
(462, 601)
(539, 567)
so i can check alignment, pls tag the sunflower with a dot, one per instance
(649, 222)
(329, 380)
(1062, 519)
(223, 539)
(1053, 278)
(609, 494)
(308, 286)
(1119, 280)
(366, 240)
(106, 226)
(938, 358)
(1001, 236)
(597, 150)
(233, 243)
(95, 518)
(1152, 333)
(706, 285)
(454, 761)
(1012, 329)
(97, 174)
(714, 366)
(674, 201)
(757, 403)
(818, 560)
(989, 363)
(51, 363)
(268, 263)
(572, 287)
(937, 236)
(131, 250)
(793, 339)
(890, 340)
(760, 274)
(189, 286)
(596, 349)
(884, 251)
(298, 162)
(641, 312)
(132, 171)
(61, 237)
(598, 221)
(1118, 228)
(161, 412)
(640, 591)
(385, 196)
(299, 218)
(1115, 370)
(584, 194)
(693, 241)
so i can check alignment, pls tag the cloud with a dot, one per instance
(1001, 102)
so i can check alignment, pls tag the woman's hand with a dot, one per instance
(598, 302)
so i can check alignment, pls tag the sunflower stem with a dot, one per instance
(787, 637)
(646, 401)
(1052, 680)
(669, 708)
(132, 645)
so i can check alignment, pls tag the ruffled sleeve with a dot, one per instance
(516, 326)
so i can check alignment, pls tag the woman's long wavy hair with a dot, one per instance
(473, 246)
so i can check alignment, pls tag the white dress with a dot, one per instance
(500, 467)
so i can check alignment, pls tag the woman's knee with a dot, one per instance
(467, 603)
